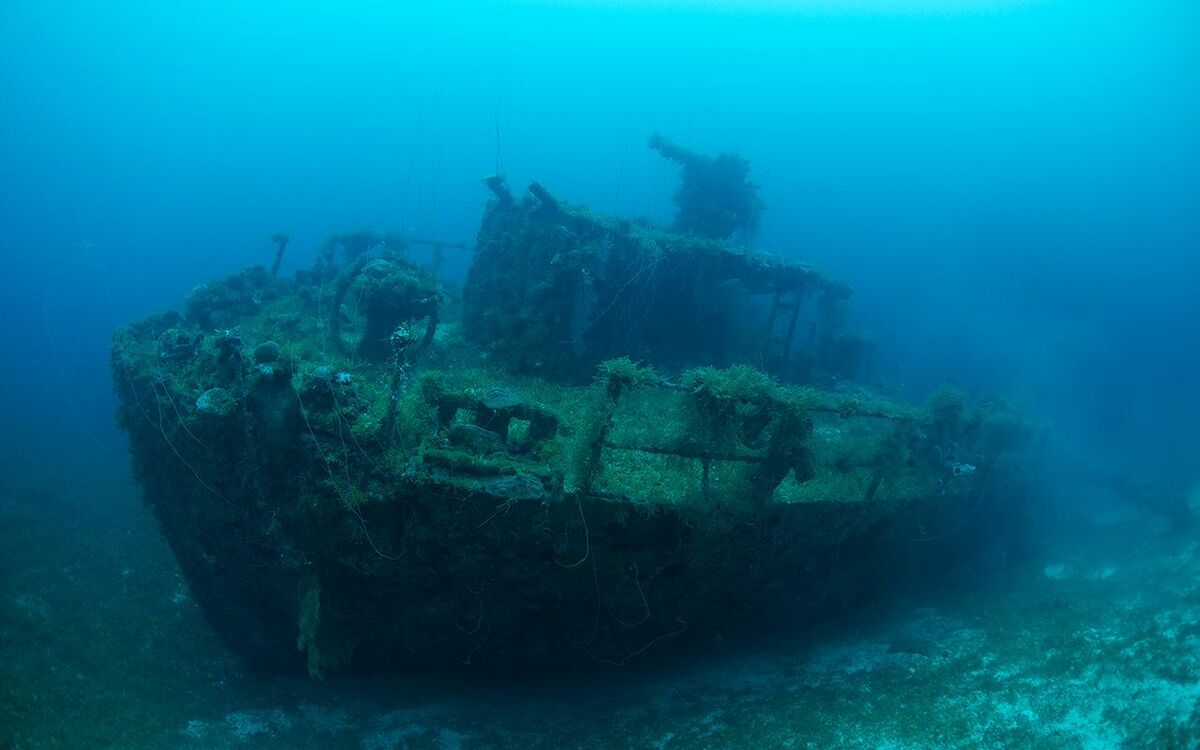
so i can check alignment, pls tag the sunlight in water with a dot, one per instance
(806, 7)
(541, 374)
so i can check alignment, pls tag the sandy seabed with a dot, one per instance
(1092, 644)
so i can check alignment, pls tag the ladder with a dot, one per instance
(785, 313)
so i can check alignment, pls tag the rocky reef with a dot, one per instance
(621, 439)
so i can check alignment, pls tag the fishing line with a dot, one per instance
(120, 357)
(501, 68)
(971, 514)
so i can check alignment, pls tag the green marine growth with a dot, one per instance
(742, 409)
(957, 441)
(614, 378)
(731, 406)
(716, 197)
(318, 461)
(392, 293)
(998, 428)
(281, 240)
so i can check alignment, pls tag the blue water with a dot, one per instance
(1010, 187)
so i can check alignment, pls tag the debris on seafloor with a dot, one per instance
(620, 439)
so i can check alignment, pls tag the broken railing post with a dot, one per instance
(549, 202)
(496, 184)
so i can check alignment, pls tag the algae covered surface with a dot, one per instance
(686, 375)
(1069, 651)
(355, 477)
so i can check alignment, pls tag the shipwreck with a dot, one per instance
(616, 439)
